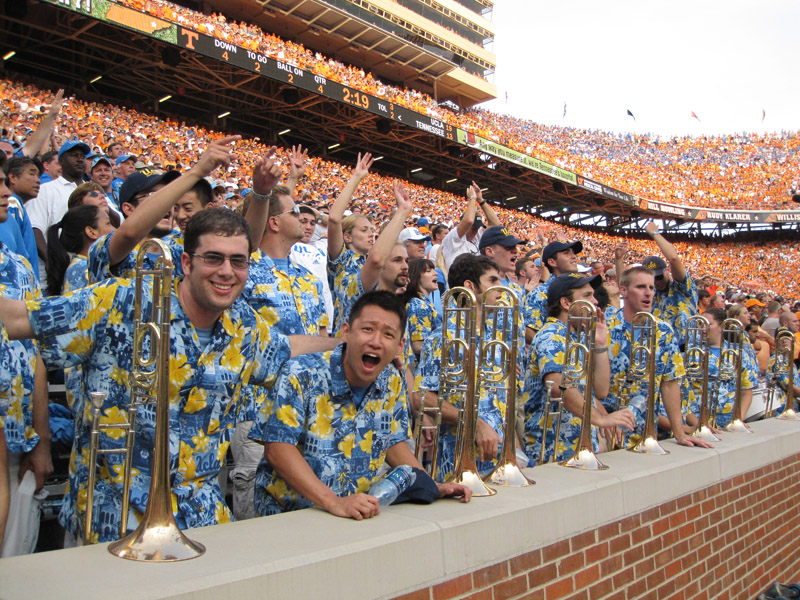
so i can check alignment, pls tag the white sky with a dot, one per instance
(723, 59)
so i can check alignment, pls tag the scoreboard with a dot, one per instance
(285, 72)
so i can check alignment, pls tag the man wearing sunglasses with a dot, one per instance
(290, 299)
(148, 199)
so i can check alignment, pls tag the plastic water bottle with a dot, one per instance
(395, 483)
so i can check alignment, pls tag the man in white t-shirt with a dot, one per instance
(465, 237)
(313, 255)
(51, 204)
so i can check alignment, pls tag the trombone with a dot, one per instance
(157, 538)
(784, 368)
(730, 364)
(500, 321)
(554, 410)
(457, 378)
(643, 366)
(579, 367)
(695, 359)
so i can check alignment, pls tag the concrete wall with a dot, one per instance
(697, 523)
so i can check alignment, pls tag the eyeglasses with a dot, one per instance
(295, 210)
(212, 259)
(95, 194)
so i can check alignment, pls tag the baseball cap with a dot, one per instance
(569, 281)
(70, 144)
(142, 181)
(412, 234)
(100, 159)
(422, 221)
(584, 268)
(497, 234)
(123, 157)
(656, 264)
(554, 248)
(753, 302)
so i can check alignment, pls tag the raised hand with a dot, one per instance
(218, 154)
(401, 196)
(266, 173)
(363, 165)
(297, 161)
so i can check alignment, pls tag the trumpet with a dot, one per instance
(784, 368)
(157, 538)
(730, 363)
(695, 360)
(579, 367)
(500, 321)
(643, 366)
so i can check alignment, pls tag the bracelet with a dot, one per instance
(259, 197)
(481, 203)
(601, 350)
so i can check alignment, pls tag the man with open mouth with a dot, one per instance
(332, 419)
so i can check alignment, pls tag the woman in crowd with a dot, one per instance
(422, 314)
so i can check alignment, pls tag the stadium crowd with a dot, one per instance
(272, 251)
(740, 171)
(167, 143)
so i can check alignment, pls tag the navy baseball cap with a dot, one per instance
(656, 264)
(143, 180)
(497, 234)
(569, 281)
(70, 144)
(554, 248)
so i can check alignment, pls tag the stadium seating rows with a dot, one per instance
(168, 142)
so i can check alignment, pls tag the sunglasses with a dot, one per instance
(213, 259)
(294, 210)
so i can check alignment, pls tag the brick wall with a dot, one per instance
(727, 541)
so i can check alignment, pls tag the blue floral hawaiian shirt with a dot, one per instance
(345, 283)
(94, 327)
(675, 305)
(534, 306)
(547, 356)
(17, 282)
(99, 259)
(312, 406)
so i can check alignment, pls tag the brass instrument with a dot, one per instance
(730, 362)
(695, 360)
(579, 367)
(500, 320)
(644, 331)
(554, 408)
(157, 538)
(784, 367)
(458, 377)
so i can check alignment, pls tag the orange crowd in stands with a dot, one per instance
(755, 266)
(742, 171)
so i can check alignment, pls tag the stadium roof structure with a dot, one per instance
(135, 60)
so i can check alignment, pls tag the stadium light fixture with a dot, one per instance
(8, 55)
(223, 115)
(378, 158)
(485, 189)
(284, 132)
(417, 170)
(511, 198)
(333, 146)
(451, 180)
(96, 79)
(165, 98)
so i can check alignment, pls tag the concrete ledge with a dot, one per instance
(311, 554)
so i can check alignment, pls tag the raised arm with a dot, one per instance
(668, 250)
(620, 252)
(468, 218)
(37, 139)
(488, 211)
(266, 175)
(382, 248)
(147, 215)
(336, 213)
